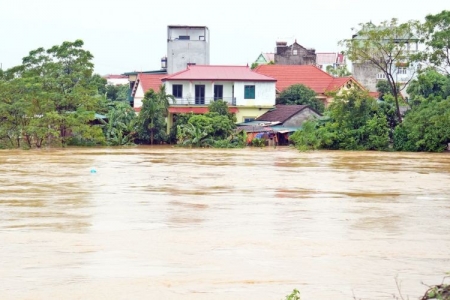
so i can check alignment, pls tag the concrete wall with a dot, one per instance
(366, 74)
(181, 52)
(298, 119)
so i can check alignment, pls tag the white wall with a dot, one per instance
(117, 81)
(264, 93)
(138, 96)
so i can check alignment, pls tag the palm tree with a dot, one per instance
(195, 136)
(164, 99)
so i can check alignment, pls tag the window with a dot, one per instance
(184, 37)
(401, 71)
(249, 119)
(295, 52)
(381, 76)
(218, 92)
(177, 90)
(249, 92)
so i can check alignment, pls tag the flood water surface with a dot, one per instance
(168, 223)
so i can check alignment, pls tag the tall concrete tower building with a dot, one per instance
(186, 45)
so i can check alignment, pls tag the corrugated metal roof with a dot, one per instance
(223, 73)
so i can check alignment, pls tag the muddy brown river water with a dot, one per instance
(168, 223)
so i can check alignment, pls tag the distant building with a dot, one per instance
(265, 58)
(294, 54)
(368, 75)
(186, 45)
(116, 79)
(325, 59)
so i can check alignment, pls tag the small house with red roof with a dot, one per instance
(249, 94)
(144, 82)
(311, 76)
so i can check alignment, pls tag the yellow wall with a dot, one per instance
(250, 112)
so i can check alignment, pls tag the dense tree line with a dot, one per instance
(54, 99)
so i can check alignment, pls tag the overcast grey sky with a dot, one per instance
(131, 35)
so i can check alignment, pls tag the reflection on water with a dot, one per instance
(167, 223)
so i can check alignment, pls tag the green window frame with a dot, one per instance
(249, 92)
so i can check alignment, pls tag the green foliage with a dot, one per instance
(193, 136)
(116, 92)
(120, 128)
(254, 65)
(383, 88)
(50, 99)
(298, 94)
(339, 71)
(217, 126)
(221, 107)
(259, 142)
(295, 295)
(151, 124)
(436, 33)
(429, 83)
(307, 138)
(425, 128)
(354, 122)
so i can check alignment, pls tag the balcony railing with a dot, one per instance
(203, 100)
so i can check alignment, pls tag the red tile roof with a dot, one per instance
(150, 81)
(338, 82)
(223, 73)
(282, 113)
(375, 95)
(310, 76)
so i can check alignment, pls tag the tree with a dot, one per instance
(193, 136)
(151, 120)
(298, 94)
(354, 122)
(339, 71)
(383, 47)
(120, 127)
(436, 34)
(383, 88)
(425, 128)
(55, 96)
(429, 83)
(221, 107)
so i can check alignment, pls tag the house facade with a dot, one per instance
(294, 54)
(144, 82)
(247, 93)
